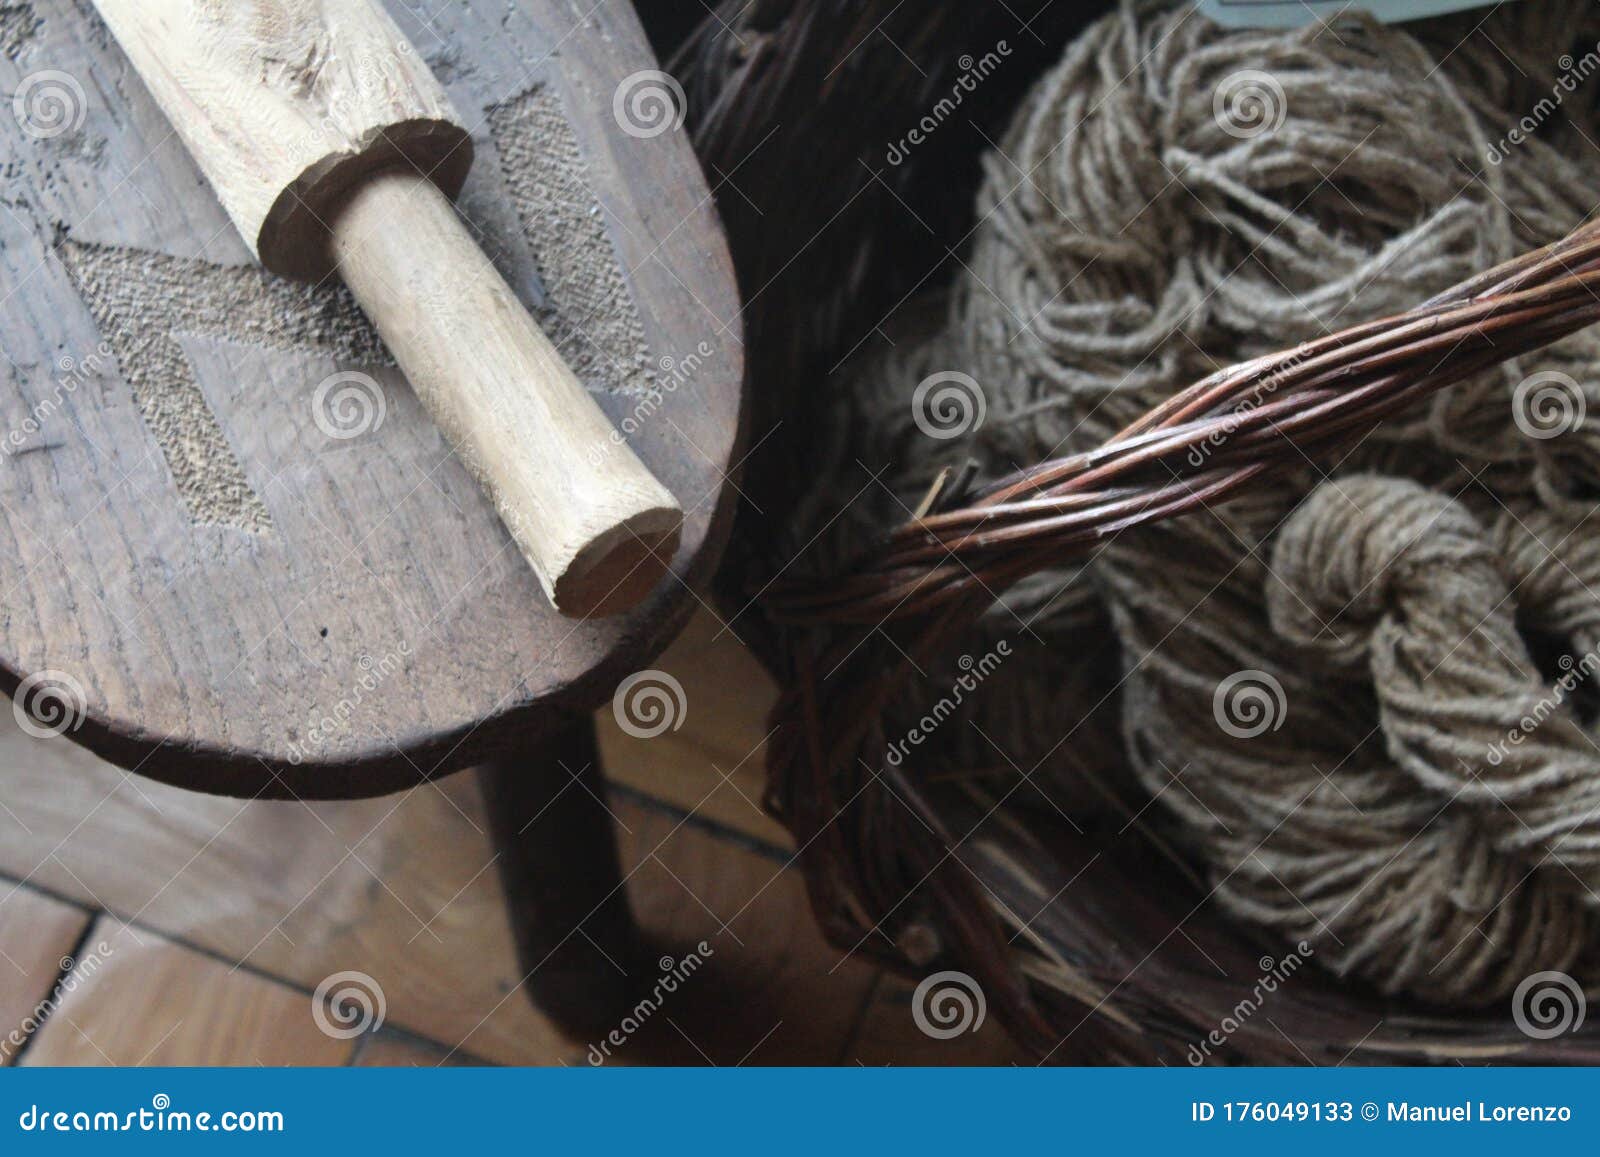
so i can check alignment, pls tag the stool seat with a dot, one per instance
(236, 553)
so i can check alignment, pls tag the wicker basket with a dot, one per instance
(1122, 958)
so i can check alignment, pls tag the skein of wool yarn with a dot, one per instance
(1355, 695)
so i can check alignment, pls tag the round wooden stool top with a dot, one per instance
(235, 553)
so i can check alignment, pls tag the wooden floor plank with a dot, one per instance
(401, 887)
(404, 888)
(737, 970)
(38, 936)
(153, 1002)
(713, 764)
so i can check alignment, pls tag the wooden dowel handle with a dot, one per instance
(597, 526)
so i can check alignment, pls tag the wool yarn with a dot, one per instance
(1355, 698)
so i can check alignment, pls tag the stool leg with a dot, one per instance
(576, 939)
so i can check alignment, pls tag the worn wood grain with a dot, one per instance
(38, 937)
(596, 525)
(226, 594)
(152, 1002)
(285, 104)
(336, 153)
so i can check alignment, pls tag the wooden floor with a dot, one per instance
(141, 924)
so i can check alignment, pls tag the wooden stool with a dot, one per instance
(237, 556)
